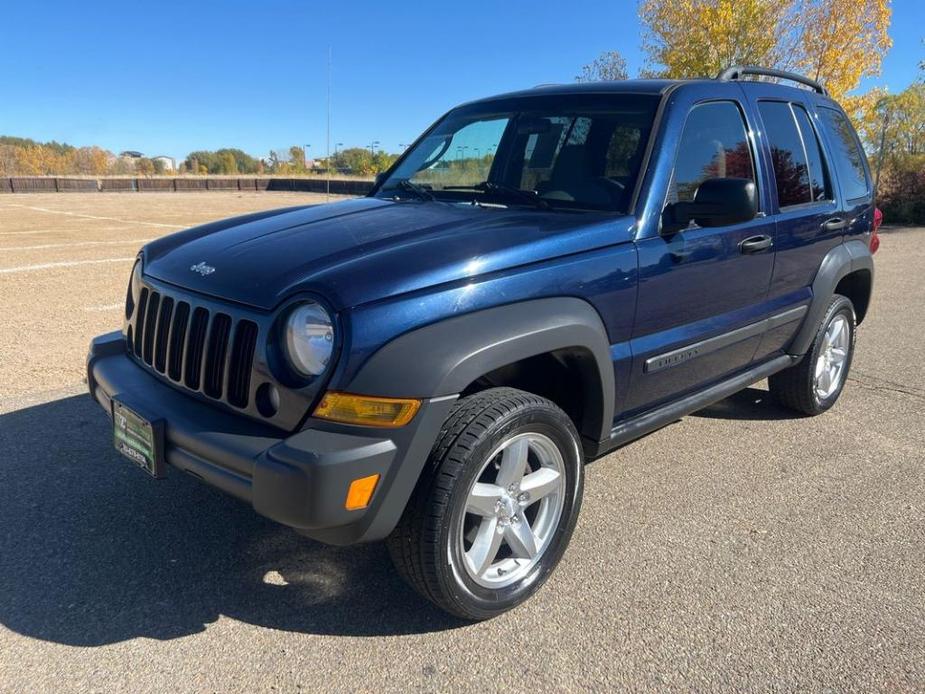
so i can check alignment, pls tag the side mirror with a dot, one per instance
(717, 202)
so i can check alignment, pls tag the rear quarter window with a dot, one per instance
(847, 154)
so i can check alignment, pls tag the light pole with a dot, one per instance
(372, 147)
(305, 157)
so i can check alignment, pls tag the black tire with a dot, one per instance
(794, 387)
(426, 544)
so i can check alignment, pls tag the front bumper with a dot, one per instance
(298, 479)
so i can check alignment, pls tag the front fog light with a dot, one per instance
(309, 339)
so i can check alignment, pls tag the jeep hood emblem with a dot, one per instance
(202, 268)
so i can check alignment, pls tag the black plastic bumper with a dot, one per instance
(299, 479)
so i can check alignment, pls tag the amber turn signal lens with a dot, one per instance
(360, 492)
(367, 410)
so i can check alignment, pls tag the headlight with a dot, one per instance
(133, 291)
(309, 339)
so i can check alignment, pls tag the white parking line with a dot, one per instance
(37, 231)
(76, 244)
(61, 230)
(91, 216)
(72, 263)
(106, 307)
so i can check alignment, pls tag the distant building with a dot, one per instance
(131, 154)
(170, 164)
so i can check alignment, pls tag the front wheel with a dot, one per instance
(496, 504)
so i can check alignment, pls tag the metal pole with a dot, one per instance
(327, 190)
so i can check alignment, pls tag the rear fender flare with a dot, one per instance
(842, 260)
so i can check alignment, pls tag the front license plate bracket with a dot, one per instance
(139, 436)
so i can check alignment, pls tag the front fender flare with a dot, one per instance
(445, 357)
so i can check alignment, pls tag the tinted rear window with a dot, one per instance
(791, 171)
(849, 159)
(818, 173)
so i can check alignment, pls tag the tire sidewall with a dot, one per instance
(840, 306)
(484, 602)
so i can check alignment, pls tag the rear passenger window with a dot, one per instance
(791, 170)
(819, 179)
(849, 159)
(714, 144)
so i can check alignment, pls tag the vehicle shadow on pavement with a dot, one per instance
(93, 552)
(748, 404)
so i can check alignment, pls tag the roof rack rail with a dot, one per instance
(737, 72)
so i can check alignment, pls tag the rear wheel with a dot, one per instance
(813, 385)
(495, 507)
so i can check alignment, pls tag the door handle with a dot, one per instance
(756, 244)
(834, 224)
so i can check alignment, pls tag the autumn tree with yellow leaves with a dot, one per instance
(837, 42)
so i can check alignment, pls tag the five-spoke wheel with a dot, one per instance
(496, 505)
(512, 510)
(833, 355)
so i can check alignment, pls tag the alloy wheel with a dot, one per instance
(512, 510)
(833, 355)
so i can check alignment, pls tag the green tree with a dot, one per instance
(243, 162)
(227, 163)
(297, 159)
(356, 160)
(144, 166)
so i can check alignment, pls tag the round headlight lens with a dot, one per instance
(134, 290)
(309, 339)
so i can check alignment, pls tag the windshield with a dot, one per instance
(580, 152)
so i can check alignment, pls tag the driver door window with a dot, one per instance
(714, 144)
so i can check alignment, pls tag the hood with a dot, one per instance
(368, 249)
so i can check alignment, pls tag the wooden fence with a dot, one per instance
(43, 184)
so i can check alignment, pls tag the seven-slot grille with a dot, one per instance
(206, 351)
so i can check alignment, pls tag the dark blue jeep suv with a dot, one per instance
(542, 277)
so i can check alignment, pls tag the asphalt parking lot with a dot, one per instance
(741, 548)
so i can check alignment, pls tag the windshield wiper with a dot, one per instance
(520, 195)
(416, 189)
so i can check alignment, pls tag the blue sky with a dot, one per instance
(171, 77)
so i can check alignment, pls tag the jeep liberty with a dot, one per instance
(542, 277)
